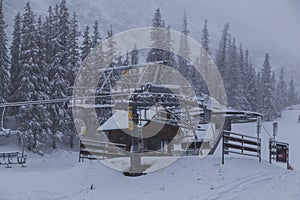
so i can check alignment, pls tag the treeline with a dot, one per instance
(246, 87)
(45, 55)
(41, 64)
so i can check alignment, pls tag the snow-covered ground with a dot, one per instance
(59, 176)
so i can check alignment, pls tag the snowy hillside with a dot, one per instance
(263, 26)
(188, 178)
(59, 176)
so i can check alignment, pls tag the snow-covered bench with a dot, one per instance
(9, 158)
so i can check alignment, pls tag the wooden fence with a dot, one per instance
(95, 150)
(240, 144)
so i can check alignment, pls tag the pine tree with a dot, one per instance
(243, 88)
(168, 56)
(281, 91)
(134, 55)
(221, 60)
(259, 88)
(204, 59)
(235, 91)
(222, 52)
(43, 86)
(58, 71)
(292, 94)
(74, 50)
(50, 34)
(30, 84)
(4, 59)
(205, 37)
(251, 88)
(96, 38)
(15, 68)
(268, 104)
(126, 62)
(184, 50)
(86, 44)
(157, 37)
(273, 98)
(63, 37)
(250, 83)
(110, 54)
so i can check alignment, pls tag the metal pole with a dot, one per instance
(135, 158)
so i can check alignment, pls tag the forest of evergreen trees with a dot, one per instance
(44, 56)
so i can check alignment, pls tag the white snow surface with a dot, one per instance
(59, 175)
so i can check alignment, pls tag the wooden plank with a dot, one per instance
(246, 154)
(101, 143)
(244, 148)
(102, 148)
(245, 141)
(8, 155)
(237, 134)
(101, 154)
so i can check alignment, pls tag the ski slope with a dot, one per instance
(58, 175)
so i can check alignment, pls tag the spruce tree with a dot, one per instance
(30, 84)
(268, 104)
(292, 94)
(64, 31)
(96, 38)
(204, 59)
(43, 86)
(221, 59)
(235, 91)
(222, 52)
(86, 44)
(58, 70)
(251, 88)
(250, 83)
(281, 91)
(205, 37)
(243, 74)
(74, 50)
(157, 37)
(111, 50)
(134, 56)
(184, 50)
(15, 68)
(4, 59)
(126, 62)
(259, 88)
(50, 34)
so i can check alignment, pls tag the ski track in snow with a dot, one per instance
(239, 185)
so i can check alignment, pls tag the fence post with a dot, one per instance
(258, 126)
(259, 140)
(222, 147)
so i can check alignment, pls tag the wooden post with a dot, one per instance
(258, 126)
(287, 157)
(259, 140)
(223, 148)
(270, 150)
(275, 130)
